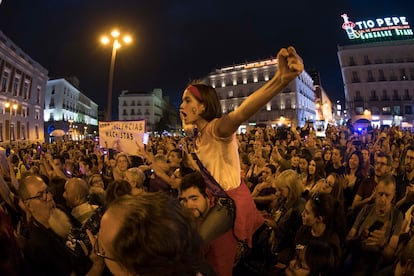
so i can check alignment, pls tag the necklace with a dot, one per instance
(199, 131)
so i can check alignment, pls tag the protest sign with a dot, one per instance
(121, 136)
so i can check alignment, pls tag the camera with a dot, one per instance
(78, 234)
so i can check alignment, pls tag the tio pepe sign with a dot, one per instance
(387, 27)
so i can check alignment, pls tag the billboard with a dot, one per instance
(121, 136)
(394, 27)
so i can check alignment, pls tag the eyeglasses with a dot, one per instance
(100, 252)
(42, 195)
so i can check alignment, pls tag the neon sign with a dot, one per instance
(395, 26)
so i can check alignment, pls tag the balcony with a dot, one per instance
(373, 98)
(358, 99)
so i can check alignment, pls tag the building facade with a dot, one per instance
(379, 81)
(293, 106)
(22, 88)
(68, 109)
(150, 106)
(378, 71)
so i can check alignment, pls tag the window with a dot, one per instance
(26, 86)
(230, 94)
(38, 95)
(370, 76)
(374, 96)
(395, 96)
(366, 60)
(12, 137)
(408, 109)
(4, 81)
(386, 110)
(384, 95)
(403, 76)
(16, 83)
(355, 77)
(381, 75)
(351, 61)
(23, 133)
(359, 110)
(397, 110)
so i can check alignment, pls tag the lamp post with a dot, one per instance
(116, 44)
(11, 108)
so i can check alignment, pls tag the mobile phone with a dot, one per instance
(145, 137)
(376, 226)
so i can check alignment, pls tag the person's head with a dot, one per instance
(316, 168)
(317, 258)
(193, 194)
(337, 155)
(76, 192)
(36, 197)
(174, 158)
(382, 164)
(304, 164)
(200, 101)
(85, 165)
(135, 177)
(333, 185)
(122, 161)
(365, 155)
(289, 186)
(321, 208)
(384, 194)
(161, 161)
(327, 154)
(117, 189)
(405, 265)
(58, 161)
(268, 171)
(294, 162)
(96, 180)
(355, 162)
(409, 159)
(150, 234)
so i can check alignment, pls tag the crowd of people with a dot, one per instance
(353, 200)
(269, 201)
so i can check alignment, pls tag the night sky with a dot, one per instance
(176, 41)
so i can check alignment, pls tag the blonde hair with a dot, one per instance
(291, 180)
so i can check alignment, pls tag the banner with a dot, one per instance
(121, 136)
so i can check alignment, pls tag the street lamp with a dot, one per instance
(11, 108)
(116, 44)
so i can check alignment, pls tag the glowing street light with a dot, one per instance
(116, 44)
